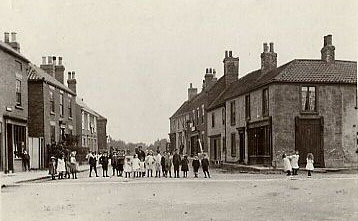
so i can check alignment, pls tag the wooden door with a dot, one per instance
(309, 140)
(242, 145)
(10, 149)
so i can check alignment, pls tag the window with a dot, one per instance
(213, 119)
(247, 107)
(202, 113)
(61, 104)
(88, 121)
(52, 102)
(197, 116)
(69, 106)
(265, 102)
(83, 120)
(223, 115)
(19, 136)
(18, 92)
(232, 113)
(193, 116)
(233, 145)
(52, 133)
(308, 96)
(18, 66)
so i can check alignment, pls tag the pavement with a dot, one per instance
(11, 179)
(225, 196)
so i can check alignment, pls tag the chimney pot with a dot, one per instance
(207, 70)
(6, 37)
(265, 47)
(230, 54)
(43, 60)
(210, 71)
(54, 60)
(214, 71)
(59, 60)
(69, 75)
(49, 60)
(271, 47)
(226, 54)
(13, 36)
(191, 85)
(73, 75)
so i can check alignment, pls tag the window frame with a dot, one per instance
(62, 101)
(18, 90)
(315, 111)
(233, 113)
(247, 107)
(213, 119)
(233, 144)
(223, 115)
(52, 101)
(70, 115)
(265, 103)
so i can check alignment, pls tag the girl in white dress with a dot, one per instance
(61, 167)
(287, 164)
(135, 166)
(158, 159)
(149, 163)
(309, 164)
(127, 168)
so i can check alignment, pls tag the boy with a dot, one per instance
(104, 161)
(294, 163)
(205, 166)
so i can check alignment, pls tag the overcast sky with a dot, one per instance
(135, 59)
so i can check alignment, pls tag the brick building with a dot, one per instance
(102, 133)
(188, 125)
(13, 104)
(52, 106)
(309, 105)
(86, 126)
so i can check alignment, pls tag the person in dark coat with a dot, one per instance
(52, 167)
(196, 165)
(26, 160)
(114, 160)
(176, 163)
(141, 154)
(162, 163)
(185, 166)
(103, 160)
(120, 163)
(205, 165)
(92, 161)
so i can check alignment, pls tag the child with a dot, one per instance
(196, 165)
(104, 161)
(127, 167)
(185, 166)
(73, 165)
(157, 159)
(52, 167)
(142, 168)
(309, 164)
(162, 163)
(287, 164)
(294, 162)
(114, 160)
(205, 165)
(61, 167)
(149, 161)
(135, 166)
(168, 164)
(120, 164)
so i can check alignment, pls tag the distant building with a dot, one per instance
(102, 133)
(13, 104)
(309, 105)
(52, 105)
(86, 126)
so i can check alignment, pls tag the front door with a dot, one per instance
(308, 140)
(242, 145)
(10, 149)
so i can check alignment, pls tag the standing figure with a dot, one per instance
(135, 166)
(168, 164)
(120, 163)
(26, 160)
(294, 163)
(158, 160)
(205, 165)
(74, 165)
(142, 168)
(52, 167)
(103, 160)
(176, 163)
(114, 162)
(127, 166)
(149, 163)
(287, 164)
(185, 166)
(61, 167)
(196, 165)
(141, 154)
(162, 163)
(68, 166)
(92, 161)
(309, 164)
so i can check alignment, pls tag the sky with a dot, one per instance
(134, 59)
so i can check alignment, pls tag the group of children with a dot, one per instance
(141, 164)
(291, 166)
(64, 166)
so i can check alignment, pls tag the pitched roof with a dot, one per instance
(299, 70)
(184, 108)
(81, 103)
(38, 74)
(12, 51)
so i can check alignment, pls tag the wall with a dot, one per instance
(217, 130)
(102, 134)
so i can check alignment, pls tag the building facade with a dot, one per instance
(14, 104)
(309, 105)
(52, 106)
(102, 133)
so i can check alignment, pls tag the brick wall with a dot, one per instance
(102, 134)
(36, 109)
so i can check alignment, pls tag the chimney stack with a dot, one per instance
(6, 37)
(268, 58)
(231, 68)
(327, 52)
(48, 67)
(71, 81)
(59, 70)
(192, 92)
(209, 78)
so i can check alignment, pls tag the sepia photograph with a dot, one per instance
(178, 110)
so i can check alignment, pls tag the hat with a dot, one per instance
(53, 157)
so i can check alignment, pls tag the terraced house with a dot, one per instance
(309, 105)
(52, 106)
(13, 104)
